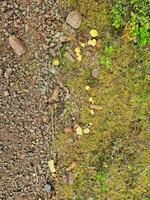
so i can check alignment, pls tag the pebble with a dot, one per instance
(46, 119)
(95, 73)
(1, 72)
(71, 178)
(48, 187)
(68, 56)
(74, 19)
(17, 45)
(8, 73)
(6, 93)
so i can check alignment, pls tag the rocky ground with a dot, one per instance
(74, 100)
(31, 96)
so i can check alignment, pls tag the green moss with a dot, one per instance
(118, 143)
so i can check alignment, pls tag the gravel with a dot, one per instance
(26, 83)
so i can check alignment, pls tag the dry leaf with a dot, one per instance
(94, 33)
(56, 62)
(92, 112)
(86, 130)
(79, 58)
(79, 130)
(96, 107)
(68, 130)
(51, 166)
(87, 87)
(72, 166)
(92, 42)
(77, 50)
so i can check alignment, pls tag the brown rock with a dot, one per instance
(17, 45)
(74, 19)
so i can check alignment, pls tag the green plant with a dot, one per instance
(117, 13)
(134, 15)
(101, 177)
(105, 60)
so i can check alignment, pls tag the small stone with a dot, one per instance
(48, 188)
(68, 56)
(1, 72)
(17, 45)
(72, 166)
(8, 73)
(6, 93)
(64, 38)
(74, 19)
(46, 119)
(95, 73)
(71, 178)
(92, 112)
(55, 95)
(52, 52)
(91, 99)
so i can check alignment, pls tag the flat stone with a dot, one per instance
(74, 19)
(95, 73)
(17, 45)
(68, 56)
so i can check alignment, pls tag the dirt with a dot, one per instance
(27, 114)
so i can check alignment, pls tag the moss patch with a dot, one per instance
(112, 160)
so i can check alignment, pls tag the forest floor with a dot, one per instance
(74, 108)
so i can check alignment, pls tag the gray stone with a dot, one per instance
(95, 73)
(74, 19)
